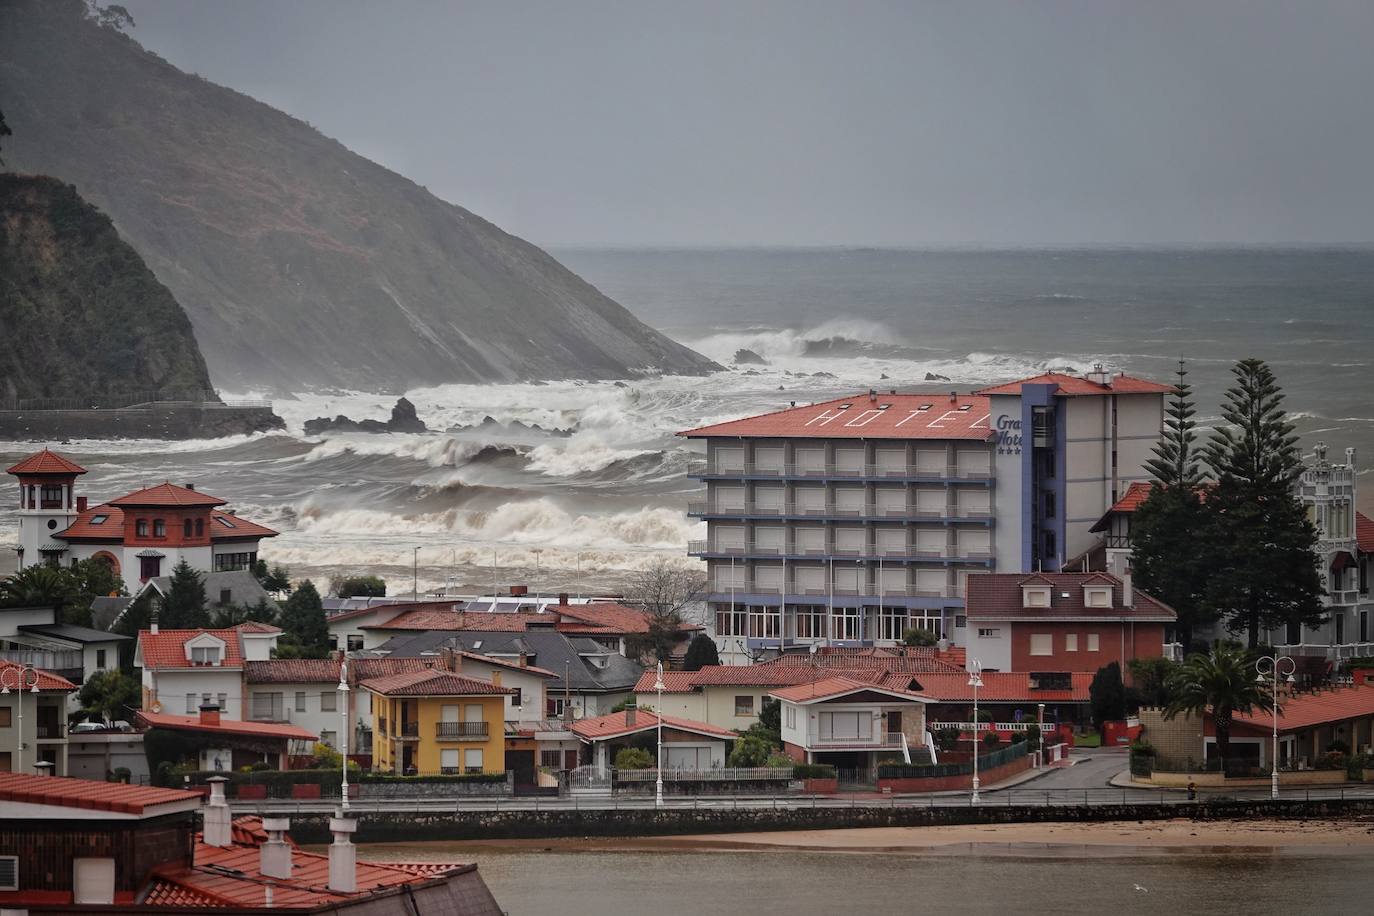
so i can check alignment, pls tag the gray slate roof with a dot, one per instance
(243, 587)
(105, 610)
(70, 632)
(548, 649)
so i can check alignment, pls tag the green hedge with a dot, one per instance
(928, 771)
(280, 781)
(813, 771)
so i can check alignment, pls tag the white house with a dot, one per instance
(183, 669)
(851, 724)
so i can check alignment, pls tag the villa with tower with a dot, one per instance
(143, 534)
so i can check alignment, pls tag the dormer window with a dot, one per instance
(1035, 596)
(205, 655)
(1097, 596)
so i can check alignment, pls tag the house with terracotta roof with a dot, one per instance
(438, 721)
(142, 534)
(852, 724)
(1063, 622)
(213, 742)
(37, 636)
(849, 521)
(185, 669)
(77, 846)
(687, 744)
(33, 719)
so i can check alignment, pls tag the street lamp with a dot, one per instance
(658, 762)
(975, 680)
(344, 721)
(1270, 667)
(24, 676)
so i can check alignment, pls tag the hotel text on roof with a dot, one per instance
(865, 416)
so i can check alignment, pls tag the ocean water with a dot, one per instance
(584, 481)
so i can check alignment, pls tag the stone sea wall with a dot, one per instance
(399, 826)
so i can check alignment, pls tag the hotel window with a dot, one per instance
(329, 701)
(744, 706)
(159, 528)
(1092, 642)
(765, 622)
(141, 528)
(731, 622)
(1047, 463)
(472, 760)
(300, 701)
(848, 623)
(1049, 505)
(809, 622)
(1070, 642)
(1040, 643)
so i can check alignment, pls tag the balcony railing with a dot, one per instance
(703, 467)
(461, 731)
(47, 659)
(47, 731)
(831, 510)
(409, 730)
(873, 552)
(879, 740)
(819, 593)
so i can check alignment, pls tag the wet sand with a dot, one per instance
(1106, 838)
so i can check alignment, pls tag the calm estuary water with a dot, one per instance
(680, 883)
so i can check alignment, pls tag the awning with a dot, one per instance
(50, 547)
(150, 554)
(1342, 560)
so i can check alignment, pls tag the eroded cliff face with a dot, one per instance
(81, 315)
(299, 262)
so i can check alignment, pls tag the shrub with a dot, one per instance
(1339, 746)
(991, 739)
(122, 774)
(1357, 764)
(260, 767)
(1331, 760)
(813, 771)
(947, 739)
(1020, 737)
(633, 758)
(778, 761)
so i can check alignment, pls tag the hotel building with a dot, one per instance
(849, 521)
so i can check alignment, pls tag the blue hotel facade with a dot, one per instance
(849, 521)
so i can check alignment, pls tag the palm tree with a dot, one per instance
(1222, 682)
(37, 586)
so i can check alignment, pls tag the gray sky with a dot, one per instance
(840, 123)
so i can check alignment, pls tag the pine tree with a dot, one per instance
(701, 651)
(1107, 695)
(1268, 577)
(303, 620)
(183, 607)
(1171, 541)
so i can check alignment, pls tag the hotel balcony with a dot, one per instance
(461, 731)
(704, 468)
(704, 508)
(873, 554)
(793, 594)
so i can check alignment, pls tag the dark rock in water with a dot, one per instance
(932, 377)
(621, 385)
(749, 358)
(751, 372)
(883, 376)
(823, 375)
(403, 420)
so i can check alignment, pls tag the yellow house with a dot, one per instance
(436, 721)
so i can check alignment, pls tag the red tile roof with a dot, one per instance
(168, 494)
(362, 669)
(606, 616)
(836, 687)
(46, 679)
(614, 725)
(167, 648)
(1135, 494)
(433, 683)
(226, 726)
(292, 671)
(444, 616)
(897, 658)
(1002, 687)
(89, 794)
(1320, 707)
(997, 596)
(46, 462)
(242, 528)
(111, 529)
(1074, 386)
(1364, 532)
(888, 416)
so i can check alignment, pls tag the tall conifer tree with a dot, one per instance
(1268, 577)
(1170, 538)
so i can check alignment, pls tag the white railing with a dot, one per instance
(47, 659)
(702, 466)
(715, 774)
(1045, 727)
(881, 740)
(1335, 653)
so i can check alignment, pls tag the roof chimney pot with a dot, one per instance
(343, 856)
(274, 856)
(215, 829)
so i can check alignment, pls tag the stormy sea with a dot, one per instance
(584, 481)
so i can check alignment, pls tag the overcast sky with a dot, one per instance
(839, 123)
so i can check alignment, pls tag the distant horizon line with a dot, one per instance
(968, 246)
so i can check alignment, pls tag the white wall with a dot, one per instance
(172, 684)
(993, 651)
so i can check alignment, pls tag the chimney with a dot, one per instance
(630, 715)
(872, 396)
(524, 659)
(519, 591)
(496, 679)
(216, 817)
(190, 486)
(1127, 591)
(209, 713)
(152, 625)
(343, 856)
(81, 503)
(274, 858)
(563, 598)
(953, 396)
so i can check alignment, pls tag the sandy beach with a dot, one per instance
(1108, 838)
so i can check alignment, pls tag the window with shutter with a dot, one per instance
(1040, 643)
(9, 873)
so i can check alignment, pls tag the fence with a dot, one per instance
(937, 770)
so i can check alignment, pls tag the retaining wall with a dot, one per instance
(170, 422)
(959, 781)
(403, 826)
